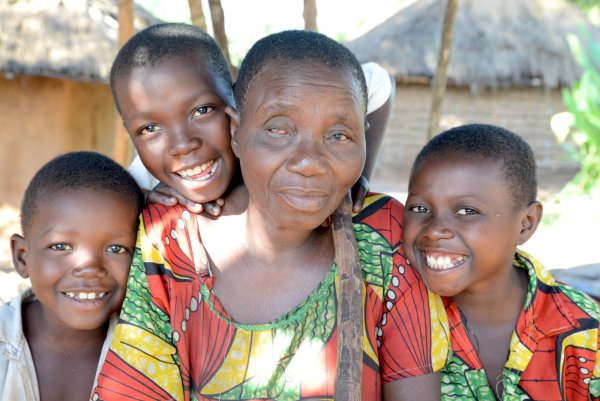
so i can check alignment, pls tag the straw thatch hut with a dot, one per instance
(55, 57)
(509, 60)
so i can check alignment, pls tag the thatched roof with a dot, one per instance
(75, 39)
(495, 42)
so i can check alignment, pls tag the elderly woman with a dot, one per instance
(243, 307)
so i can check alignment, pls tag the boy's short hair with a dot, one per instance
(296, 45)
(488, 142)
(78, 171)
(156, 43)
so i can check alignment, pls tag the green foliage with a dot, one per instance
(583, 102)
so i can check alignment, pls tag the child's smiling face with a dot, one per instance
(175, 114)
(461, 225)
(77, 254)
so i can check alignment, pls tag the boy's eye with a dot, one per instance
(418, 209)
(60, 247)
(466, 211)
(148, 129)
(202, 110)
(117, 249)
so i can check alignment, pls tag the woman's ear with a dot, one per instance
(234, 123)
(532, 215)
(18, 247)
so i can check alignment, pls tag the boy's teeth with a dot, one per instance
(86, 295)
(190, 172)
(443, 262)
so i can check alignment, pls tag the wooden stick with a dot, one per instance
(349, 308)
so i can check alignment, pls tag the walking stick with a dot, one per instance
(349, 307)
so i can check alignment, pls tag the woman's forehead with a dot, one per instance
(279, 75)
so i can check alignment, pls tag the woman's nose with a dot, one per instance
(308, 158)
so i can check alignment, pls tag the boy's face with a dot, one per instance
(301, 141)
(77, 254)
(461, 226)
(175, 115)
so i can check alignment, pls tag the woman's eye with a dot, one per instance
(340, 136)
(418, 209)
(202, 110)
(148, 129)
(116, 249)
(276, 131)
(60, 247)
(466, 211)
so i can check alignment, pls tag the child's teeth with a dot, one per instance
(442, 262)
(86, 295)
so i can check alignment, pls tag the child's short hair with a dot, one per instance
(488, 142)
(156, 43)
(78, 171)
(295, 45)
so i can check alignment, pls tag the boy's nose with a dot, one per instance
(182, 141)
(437, 229)
(89, 266)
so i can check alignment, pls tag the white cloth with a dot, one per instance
(141, 175)
(379, 87)
(18, 380)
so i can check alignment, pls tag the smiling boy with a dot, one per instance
(79, 219)
(516, 333)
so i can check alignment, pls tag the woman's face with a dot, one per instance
(300, 141)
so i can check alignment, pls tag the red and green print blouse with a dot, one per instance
(554, 350)
(176, 341)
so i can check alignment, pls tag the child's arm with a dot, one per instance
(382, 91)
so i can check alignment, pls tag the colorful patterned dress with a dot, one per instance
(554, 353)
(176, 341)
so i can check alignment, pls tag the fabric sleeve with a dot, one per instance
(142, 362)
(594, 387)
(413, 333)
(379, 85)
(141, 175)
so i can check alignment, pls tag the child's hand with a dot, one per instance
(165, 195)
(359, 192)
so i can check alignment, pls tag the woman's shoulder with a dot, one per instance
(381, 203)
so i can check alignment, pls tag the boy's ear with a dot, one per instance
(18, 247)
(532, 215)
(234, 123)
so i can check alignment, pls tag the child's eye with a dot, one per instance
(202, 110)
(148, 129)
(60, 247)
(418, 209)
(466, 211)
(117, 249)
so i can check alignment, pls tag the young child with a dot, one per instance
(79, 221)
(171, 85)
(516, 333)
